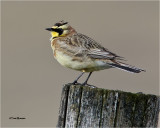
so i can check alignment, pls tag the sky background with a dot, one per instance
(32, 79)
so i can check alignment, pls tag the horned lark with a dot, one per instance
(80, 52)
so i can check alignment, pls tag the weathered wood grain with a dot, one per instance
(83, 107)
(73, 106)
(110, 101)
(125, 110)
(139, 110)
(151, 111)
(91, 105)
(63, 106)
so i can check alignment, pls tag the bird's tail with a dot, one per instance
(126, 67)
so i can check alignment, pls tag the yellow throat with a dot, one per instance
(54, 34)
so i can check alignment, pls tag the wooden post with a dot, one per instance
(83, 107)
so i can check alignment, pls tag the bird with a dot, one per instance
(82, 53)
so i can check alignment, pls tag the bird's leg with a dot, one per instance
(75, 81)
(87, 79)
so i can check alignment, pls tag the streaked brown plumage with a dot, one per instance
(80, 52)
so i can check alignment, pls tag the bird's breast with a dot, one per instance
(86, 65)
(81, 63)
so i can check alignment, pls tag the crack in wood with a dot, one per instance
(84, 107)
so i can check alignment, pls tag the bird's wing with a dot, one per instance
(95, 50)
(72, 46)
(82, 45)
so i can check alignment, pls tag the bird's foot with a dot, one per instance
(84, 84)
(75, 82)
(91, 86)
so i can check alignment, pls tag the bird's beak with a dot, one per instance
(50, 29)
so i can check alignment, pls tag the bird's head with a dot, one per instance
(60, 29)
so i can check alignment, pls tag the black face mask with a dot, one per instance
(59, 30)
